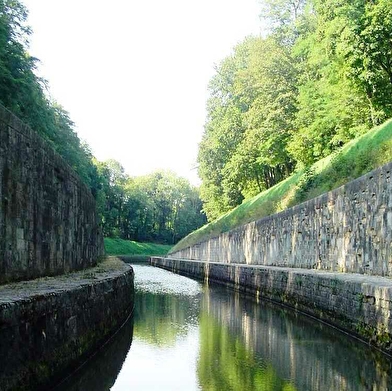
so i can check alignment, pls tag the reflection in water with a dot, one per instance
(100, 373)
(189, 337)
(164, 352)
(280, 349)
(166, 305)
(233, 366)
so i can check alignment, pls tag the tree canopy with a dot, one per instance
(159, 207)
(320, 77)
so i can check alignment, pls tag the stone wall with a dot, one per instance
(101, 371)
(48, 222)
(49, 326)
(361, 305)
(348, 230)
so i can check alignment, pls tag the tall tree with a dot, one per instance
(250, 117)
(223, 132)
(22, 92)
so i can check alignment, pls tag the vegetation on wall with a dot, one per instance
(160, 207)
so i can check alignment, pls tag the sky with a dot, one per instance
(133, 74)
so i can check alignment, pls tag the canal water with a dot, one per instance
(188, 336)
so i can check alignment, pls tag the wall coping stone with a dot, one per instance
(51, 325)
(377, 281)
(45, 286)
(358, 304)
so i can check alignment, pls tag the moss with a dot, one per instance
(360, 300)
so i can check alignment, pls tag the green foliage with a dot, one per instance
(369, 52)
(130, 247)
(356, 158)
(234, 366)
(22, 92)
(249, 113)
(321, 77)
(331, 108)
(304, 184)
(160, 207)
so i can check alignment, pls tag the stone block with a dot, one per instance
(44, 208)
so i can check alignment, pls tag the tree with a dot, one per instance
(269, 81)
(22, 92)
(223, 132)
(368, 50)
(250, 116)
(174, 206)
(111, 196)
(321, 77)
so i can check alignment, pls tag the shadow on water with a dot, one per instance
(101, 371)
(192, 337)
(138, 259)
(264, 346)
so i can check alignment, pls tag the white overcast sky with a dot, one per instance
(133, 74)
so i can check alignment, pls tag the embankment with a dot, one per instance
(48, 220)
(347, 230)
(358, 304)
(330, 257)
(49, 326)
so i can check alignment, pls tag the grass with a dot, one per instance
(356, 158)
(132, 250)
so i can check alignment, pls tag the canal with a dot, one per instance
(188, 336)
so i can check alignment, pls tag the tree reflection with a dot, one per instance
(226, 364)
(244, 345)
(160, 318)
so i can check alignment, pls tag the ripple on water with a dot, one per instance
(155, 280)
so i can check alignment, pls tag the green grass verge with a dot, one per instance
(356, 158)
(135, 250)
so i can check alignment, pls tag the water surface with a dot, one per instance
(188, 336)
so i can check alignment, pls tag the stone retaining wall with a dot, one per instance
(359, 304)
(348, 230)
(47, 327)
(48, 221)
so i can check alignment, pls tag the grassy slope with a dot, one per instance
(356, 158)
(136, 249)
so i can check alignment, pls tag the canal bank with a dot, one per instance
(358, 304)
(195, 336)
(50, 325)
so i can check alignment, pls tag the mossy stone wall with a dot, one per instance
(48, 221)
(347, 230)
(360, 305)
(45, 335)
